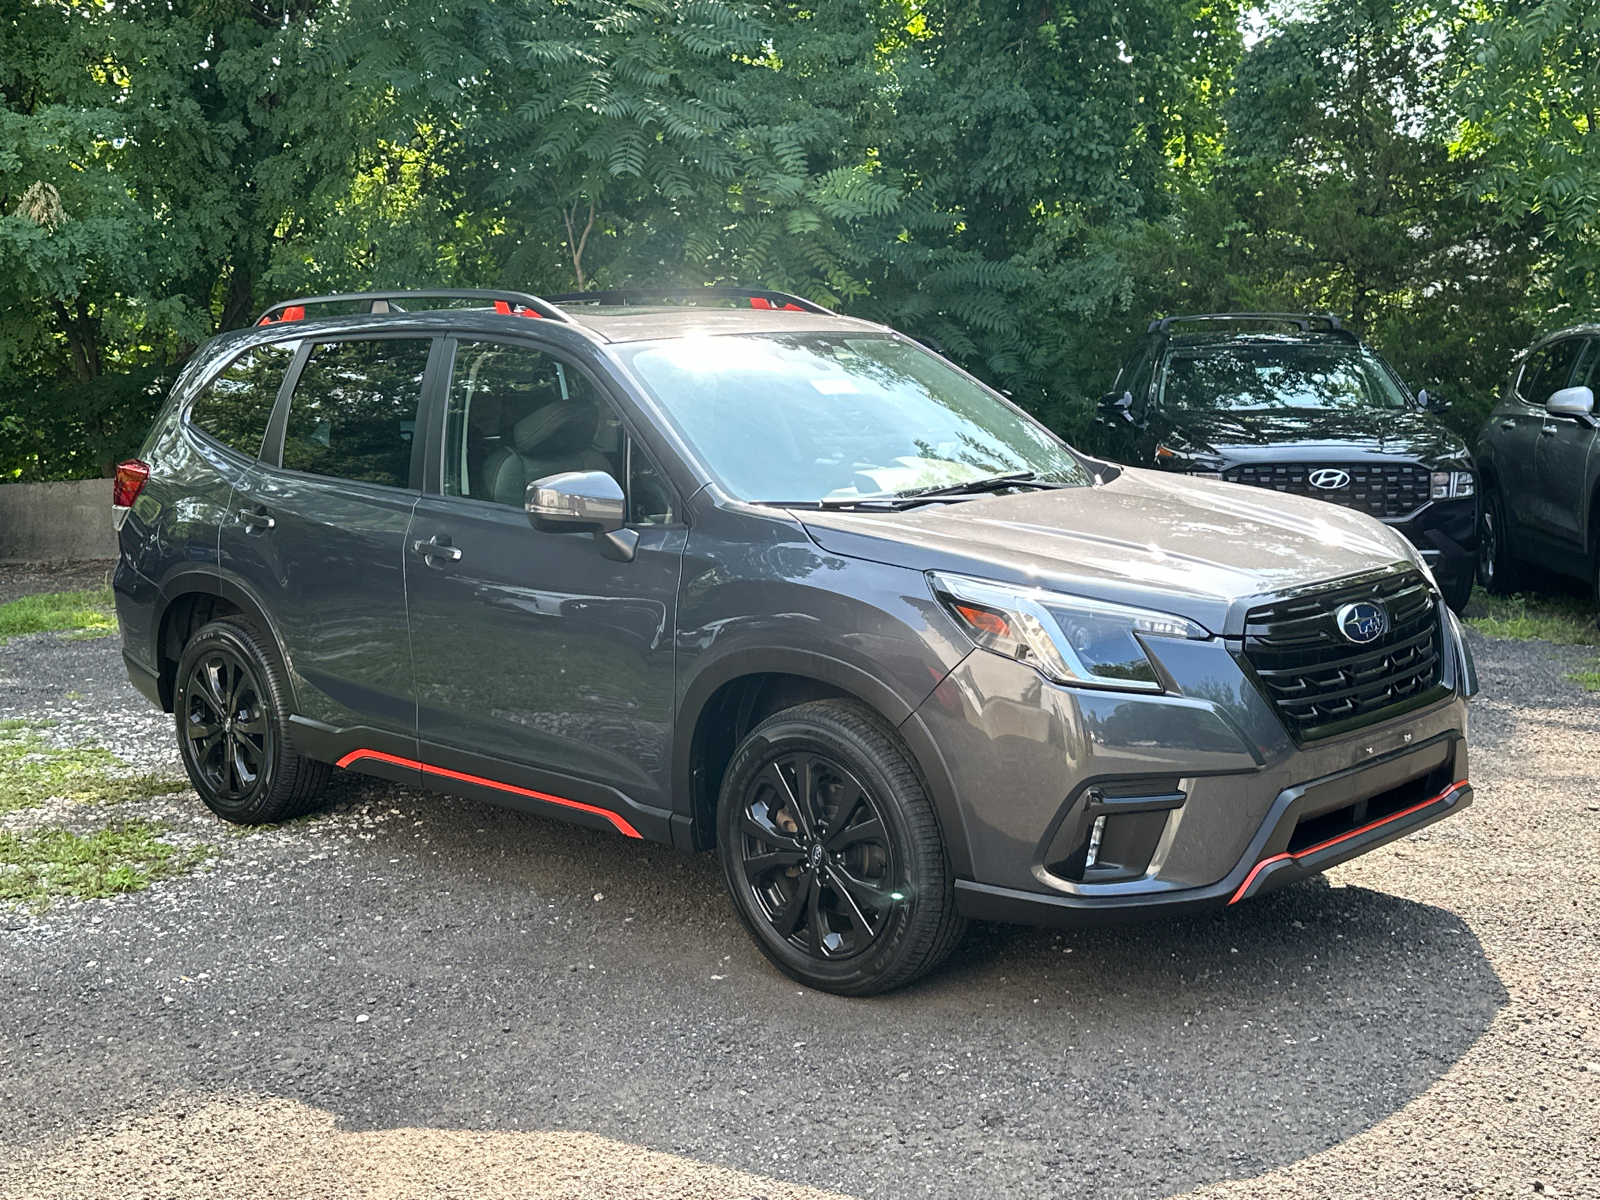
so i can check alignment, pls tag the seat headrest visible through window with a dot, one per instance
(559, 428)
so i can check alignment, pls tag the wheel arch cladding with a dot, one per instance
(721, 707)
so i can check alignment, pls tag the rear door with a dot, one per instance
(544, 668)
(319, 535)
(1561, 454)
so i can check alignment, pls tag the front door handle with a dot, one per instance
(1508, 423)
(253, 521)
(1548, 431)
(434, 548)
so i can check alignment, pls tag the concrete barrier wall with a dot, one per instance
(56, 522)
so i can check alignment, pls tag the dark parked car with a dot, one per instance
(777, 582)
(1296, 403)
(1541, 476)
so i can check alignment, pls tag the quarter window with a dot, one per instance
(354, 410)
(235, 405)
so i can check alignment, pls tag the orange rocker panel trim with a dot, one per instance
(622, 826)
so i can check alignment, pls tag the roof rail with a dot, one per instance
(758, 297)
(1303, 320)
(388, 301)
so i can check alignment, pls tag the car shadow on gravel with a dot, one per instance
(422, 960)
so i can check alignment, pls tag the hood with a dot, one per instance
(1187, 546)
(1316, 434)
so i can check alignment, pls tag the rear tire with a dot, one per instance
(1498, 571)
(231, 708)
(832, 852)
(1457, 593)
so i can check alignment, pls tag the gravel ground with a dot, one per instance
(417, 995)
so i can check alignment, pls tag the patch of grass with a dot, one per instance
(31, 772)
(50, 864)
(90, 614)
(1568, 620)
(1588, 680)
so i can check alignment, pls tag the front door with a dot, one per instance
(1560, 459)
(319, 533)
(541, 663)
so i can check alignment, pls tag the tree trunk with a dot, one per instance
(83, 338)
(238, 307)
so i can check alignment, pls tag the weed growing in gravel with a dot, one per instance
(1568, 620)
(32, 772)
(38, 867)
(1589, 680)
(87, 614)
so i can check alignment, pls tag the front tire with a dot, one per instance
(1498, 571)
(231, 707)
(832, 852)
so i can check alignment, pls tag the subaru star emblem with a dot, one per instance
(1330, 479)
(1362, 622)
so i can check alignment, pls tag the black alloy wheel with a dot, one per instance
(1498, 571)
(230, 714)
(832, 852)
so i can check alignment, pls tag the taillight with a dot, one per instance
(130, 479)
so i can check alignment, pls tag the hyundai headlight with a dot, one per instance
(1452, 485)
(1065, 638)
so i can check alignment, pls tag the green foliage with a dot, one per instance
(1566, 620)
(33, 771)
(1026, 184)
(49, 864)
(92, 614)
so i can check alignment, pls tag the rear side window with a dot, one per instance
(354, 410)
(235, 405)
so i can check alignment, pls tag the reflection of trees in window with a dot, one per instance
(1277, 377)
(235, 407)
(355, 408)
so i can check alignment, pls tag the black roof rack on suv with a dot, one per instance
(1303, 320)
(758, 297)
(388, 301)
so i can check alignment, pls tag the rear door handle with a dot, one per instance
(1548, 431)
(433, 548)
(1508, 424)
(253, 521)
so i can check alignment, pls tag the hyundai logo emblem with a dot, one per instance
(1362, 622)
(1330, 479)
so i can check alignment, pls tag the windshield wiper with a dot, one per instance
(976, 487)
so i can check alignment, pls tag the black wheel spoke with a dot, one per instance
(868, 925)
(841, 817)
(806, 778)
(255, 724)
(761, 864)
(215, 691)
(816, 921)
(859, 891)
(785, 920)
(866, 831)
(200, 731)
(774, 777)
(773, 837)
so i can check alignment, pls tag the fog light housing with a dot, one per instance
(1453, 485)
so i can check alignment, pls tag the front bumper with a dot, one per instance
(1082, 806)
(1445, 532)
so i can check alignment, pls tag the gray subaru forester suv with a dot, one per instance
(723, 569)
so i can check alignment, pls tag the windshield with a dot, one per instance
(813, 417)
(1286, 377)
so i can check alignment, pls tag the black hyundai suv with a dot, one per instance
(1297, 403)
(779, 582)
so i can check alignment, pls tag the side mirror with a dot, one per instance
(1117, 408)
(583, 502)
(1571, 402)
(1431, 402)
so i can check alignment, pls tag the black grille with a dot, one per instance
(1322, 683)
(1377, 489)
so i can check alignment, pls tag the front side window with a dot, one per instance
(1244, 377)
(517, 414)
(813, 417)
(234, 407)
(1547, 370)
(354, 410)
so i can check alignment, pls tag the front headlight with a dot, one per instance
(1065, 638)
(1452, 485)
